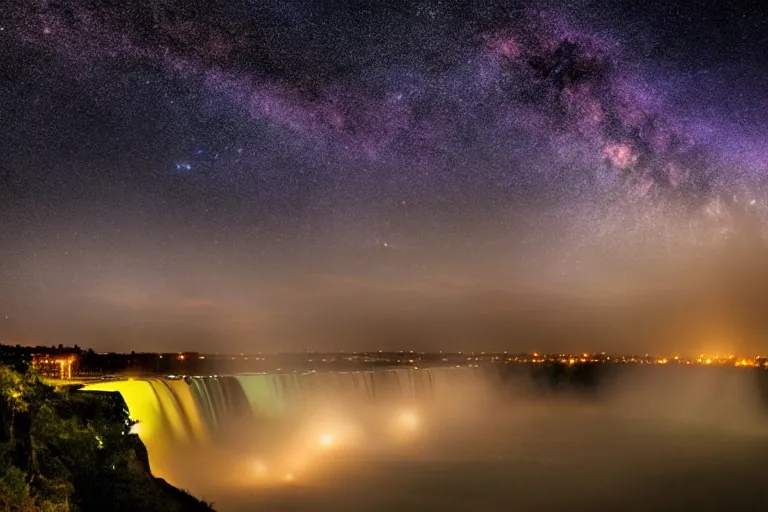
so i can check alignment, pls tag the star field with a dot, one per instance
(277, 161)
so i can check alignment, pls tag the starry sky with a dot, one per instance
(277, 175)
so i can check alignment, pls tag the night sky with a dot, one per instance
(248, 175)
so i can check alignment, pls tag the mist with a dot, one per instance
(485, 437)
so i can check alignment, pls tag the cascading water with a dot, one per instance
(351, 441)
(177, 415)
(185, 417)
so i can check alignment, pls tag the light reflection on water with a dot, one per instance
(649, 442)
(543, 460)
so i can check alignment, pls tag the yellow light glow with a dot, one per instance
(260, 468)
(327, 440)
(289, 477)
(409, 420)
(167, 415)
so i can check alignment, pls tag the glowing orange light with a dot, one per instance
(327, 440)
(408, 420)
(260, 468)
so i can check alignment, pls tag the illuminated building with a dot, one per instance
(55, 366)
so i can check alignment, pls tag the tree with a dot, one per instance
(65, 450)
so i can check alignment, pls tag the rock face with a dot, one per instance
(63, 450)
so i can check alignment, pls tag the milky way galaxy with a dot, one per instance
(199, 172)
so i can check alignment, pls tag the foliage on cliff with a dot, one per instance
(69, 451)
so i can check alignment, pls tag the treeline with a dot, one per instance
(63, 450)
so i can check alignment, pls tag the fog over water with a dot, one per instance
(623, 438)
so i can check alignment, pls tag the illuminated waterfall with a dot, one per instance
(179, 413)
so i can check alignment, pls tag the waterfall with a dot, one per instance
(176, 413)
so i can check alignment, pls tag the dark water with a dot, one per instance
(551, 456)
(522, 438)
